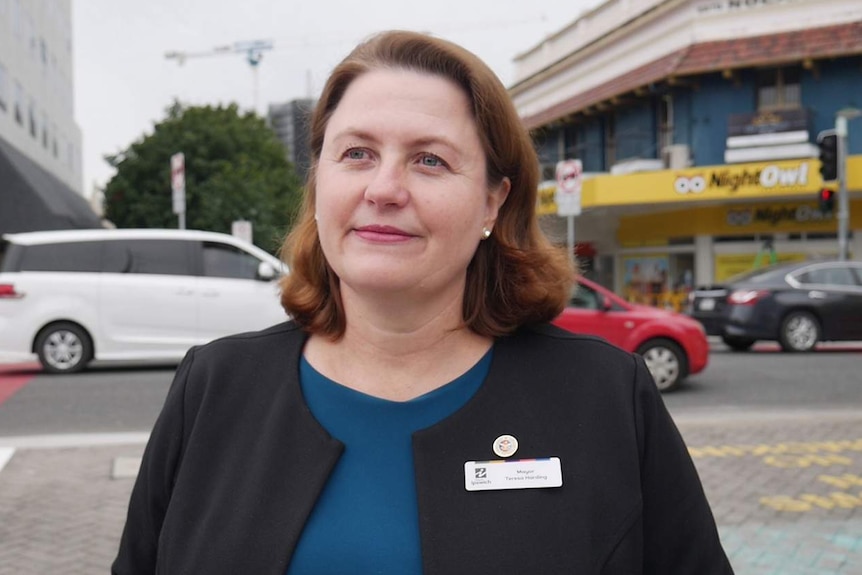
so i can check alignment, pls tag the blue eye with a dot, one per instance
(355, 154)
(431, 161)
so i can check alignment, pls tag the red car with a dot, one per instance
(673, 345)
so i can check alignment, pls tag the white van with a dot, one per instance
(74, 296)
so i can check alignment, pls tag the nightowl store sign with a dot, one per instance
(768, 177)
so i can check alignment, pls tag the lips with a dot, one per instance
(379, 233)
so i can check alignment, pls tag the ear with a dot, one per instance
(496, 198)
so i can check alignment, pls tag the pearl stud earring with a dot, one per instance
(486, 233)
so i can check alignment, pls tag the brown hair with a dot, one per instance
(516, 276)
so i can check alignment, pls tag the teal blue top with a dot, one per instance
(366, 521)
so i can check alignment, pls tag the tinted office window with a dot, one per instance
(226, 261)
(166, 257)
(71, 257)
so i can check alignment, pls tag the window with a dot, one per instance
(225, 261)
(778, 88)
(71, 257)
(584, 298)
(165, 257)
(19, 103)
(4, 90)
(665, 122)
(34, 125)
(828, 276)
(610, 141)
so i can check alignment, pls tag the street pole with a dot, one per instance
(843, 204)
(841, 118)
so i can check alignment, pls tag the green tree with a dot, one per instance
(235, 169)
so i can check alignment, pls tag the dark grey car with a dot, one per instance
(797, 305)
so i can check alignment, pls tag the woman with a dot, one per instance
(418, 414)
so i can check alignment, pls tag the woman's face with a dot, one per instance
(402, 197)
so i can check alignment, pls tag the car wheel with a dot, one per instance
(737, 343)
(64, 348)
(666, 362)
(800, 331)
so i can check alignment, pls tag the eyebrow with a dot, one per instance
(424, 141)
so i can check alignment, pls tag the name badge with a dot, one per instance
(513, 474)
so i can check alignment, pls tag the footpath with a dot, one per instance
(786, 491)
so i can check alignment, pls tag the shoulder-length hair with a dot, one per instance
(516, 276)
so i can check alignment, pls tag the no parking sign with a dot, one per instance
(568, 196)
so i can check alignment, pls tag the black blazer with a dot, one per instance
(236, 462)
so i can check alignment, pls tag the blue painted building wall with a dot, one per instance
(711, 102)
(832, 86)
(701, 108)
(636, 132)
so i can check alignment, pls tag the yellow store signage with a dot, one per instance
(731, 219)
(545, 202)
(761, 180)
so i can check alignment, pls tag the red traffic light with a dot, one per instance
(826, 200)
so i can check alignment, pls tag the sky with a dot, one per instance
(124, 82)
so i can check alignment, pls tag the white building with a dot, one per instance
(40, 142)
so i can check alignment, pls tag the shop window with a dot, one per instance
(659, 280)
(778, 88)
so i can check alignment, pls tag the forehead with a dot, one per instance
(406, 94)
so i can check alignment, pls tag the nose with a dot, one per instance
(388, 186)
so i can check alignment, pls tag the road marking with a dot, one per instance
(74, 440)
(845, 481)
(790, 448)
(125, 467)
(810, 501)
(6, 454)
(12, 380)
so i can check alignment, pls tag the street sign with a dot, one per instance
(569, 178)
(178, 182)
(241, 229)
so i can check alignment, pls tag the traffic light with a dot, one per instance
(827, 141)
(826, 200)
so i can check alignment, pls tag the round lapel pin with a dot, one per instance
(505, 446)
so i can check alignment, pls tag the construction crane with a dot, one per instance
(253, 53)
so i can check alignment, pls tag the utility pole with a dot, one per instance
(841, 119)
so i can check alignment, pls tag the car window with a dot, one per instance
(584, 298)
(62, 257)
(5, 263)
(759, 275)
(828, 276)
(226, 261)
(166, 257)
